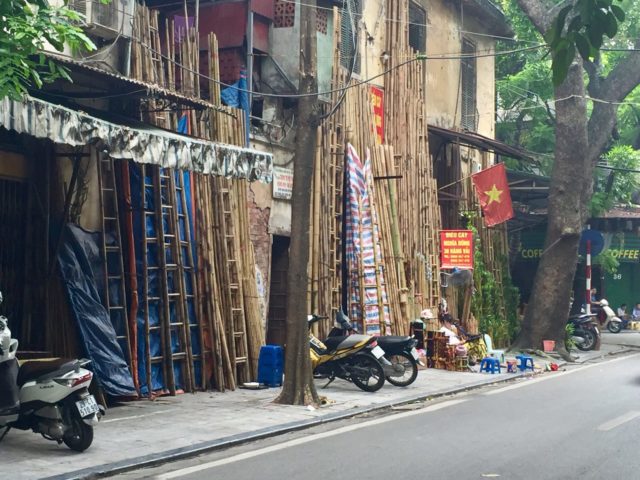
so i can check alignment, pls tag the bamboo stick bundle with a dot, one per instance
(255, 329)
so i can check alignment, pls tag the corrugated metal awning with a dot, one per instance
(142, 143)
(475, 140)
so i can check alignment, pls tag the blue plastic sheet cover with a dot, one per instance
(80, 261)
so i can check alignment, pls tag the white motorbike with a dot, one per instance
(613, 323)
(48, 397)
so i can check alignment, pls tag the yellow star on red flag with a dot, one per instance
(493, 194)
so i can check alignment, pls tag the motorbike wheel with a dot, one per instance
(614, 327)
(367, 373)
(410, 366)
(589, 340)
(79, 436)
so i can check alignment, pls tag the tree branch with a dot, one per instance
(542, 12)
(622, 80)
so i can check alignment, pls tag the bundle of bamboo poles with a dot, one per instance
(406, 130)
(404, 192)
(224, 247)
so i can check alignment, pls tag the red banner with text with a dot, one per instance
(377, 100)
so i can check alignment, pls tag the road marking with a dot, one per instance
(132, 417)
(616, 422)
(557, 375)
(303, 440)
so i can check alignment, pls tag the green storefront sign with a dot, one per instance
(622, 286)
(623, 247)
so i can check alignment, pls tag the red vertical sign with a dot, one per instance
(456, 249)
(377, 100)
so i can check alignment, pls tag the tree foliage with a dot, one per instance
(582, 27)
(616, 187)
(28, 27)
(527, 114)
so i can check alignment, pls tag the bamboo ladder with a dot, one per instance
(115, 298)
(174, 318)
(151, 299)
(237, 326)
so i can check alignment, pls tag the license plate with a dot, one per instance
(414, 354)
(87, 406)
(377, 352)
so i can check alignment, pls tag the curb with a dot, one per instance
(155, 459)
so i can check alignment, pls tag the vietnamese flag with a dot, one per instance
(493, 193)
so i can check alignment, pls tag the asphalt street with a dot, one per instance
(580, 423)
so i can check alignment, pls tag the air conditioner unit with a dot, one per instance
(106, 20)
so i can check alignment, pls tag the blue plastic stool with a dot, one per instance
(526, 362)
(490, 365)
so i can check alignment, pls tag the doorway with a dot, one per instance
(277, 318)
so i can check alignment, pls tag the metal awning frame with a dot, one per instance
(141, 143)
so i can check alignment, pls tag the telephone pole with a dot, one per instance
(298, 388)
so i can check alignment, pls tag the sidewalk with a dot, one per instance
(144, 432)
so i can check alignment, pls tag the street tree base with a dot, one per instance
(305, 397)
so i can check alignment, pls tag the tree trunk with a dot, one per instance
(569, 194)
(298, 388)
(580, 140)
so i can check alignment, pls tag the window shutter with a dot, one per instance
(417, 27)
(350, 16)
(469, 75)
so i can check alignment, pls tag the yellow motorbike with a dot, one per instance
(353, 358)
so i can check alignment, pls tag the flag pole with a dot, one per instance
(457, 181)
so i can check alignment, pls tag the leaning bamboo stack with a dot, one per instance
(406, 130)
(171, 59)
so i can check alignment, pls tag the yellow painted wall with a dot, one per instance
(444, 38)
(445, 33)
(372, 39)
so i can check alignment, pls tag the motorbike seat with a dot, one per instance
(392, 340)
(348, 341)
(34, 369)
(332, 342)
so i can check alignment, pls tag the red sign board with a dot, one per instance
(456, 249)
(377, 100)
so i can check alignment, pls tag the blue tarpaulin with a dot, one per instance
(237, 96)
(80, 264)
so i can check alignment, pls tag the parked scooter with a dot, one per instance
(613, 323)
(354, 358)
(585, 330)
(401, 365)
(48, 397)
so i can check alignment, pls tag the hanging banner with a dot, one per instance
(377, 100)
(456, 249)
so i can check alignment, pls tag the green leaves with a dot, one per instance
(27, 28)
(581, 27)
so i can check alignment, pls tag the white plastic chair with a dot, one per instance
(491, 352)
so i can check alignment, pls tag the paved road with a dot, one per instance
(582, 423)
(626, 337)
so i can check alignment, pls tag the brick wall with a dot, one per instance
(259, 212)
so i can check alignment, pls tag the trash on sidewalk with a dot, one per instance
(253, 386)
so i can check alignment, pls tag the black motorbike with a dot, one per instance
(400, 361)
(585, 330)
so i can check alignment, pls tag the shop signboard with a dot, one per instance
(282, 183)
(456, 249)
